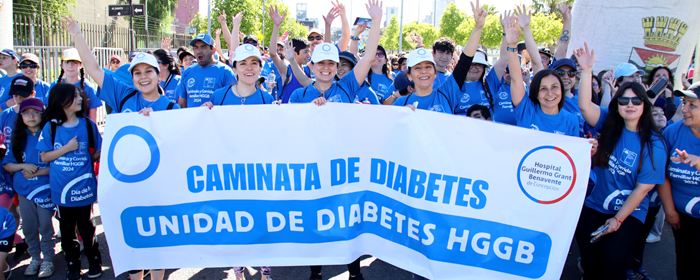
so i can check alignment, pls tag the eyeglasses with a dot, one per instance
(315, 38)
(32, 113)
(24, 66)
(395, 64)
(624, 101)
(571, 73)
(115, 61)
(594, 84)
(252, 43)
(380, 55)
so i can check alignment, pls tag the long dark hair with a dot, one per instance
(614, 125)
(535, 86)
(167, 58)
(19, 137)
(62, 96)
(484, 83)
(597, 96)
(650, 78)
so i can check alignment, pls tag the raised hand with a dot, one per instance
(275, 15)
(166, 43)
(237, 19)
(480, 15)
(609, 77)
(359, 29)
(512, 31)
(70, 25)
(586, 58)
(330, 17)
(374, 9)
(523, 17)
(339, 7)
(503, 17)
(222, 18)
(417, 37)
(289, 51)
(217, 32)
(565, 11)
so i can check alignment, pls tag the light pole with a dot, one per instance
(401, 29)
(209, 17)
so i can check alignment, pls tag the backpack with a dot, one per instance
(132, 94)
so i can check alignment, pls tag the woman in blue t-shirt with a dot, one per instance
(169, 74)
(70, 143)
(31, 183)
(680, 192)
(72, 72)
(146, 96)
(630, 161)
(30, 66)
(380, 78)
(542, 109)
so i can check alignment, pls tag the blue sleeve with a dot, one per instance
(229, 79)
(296, 96)
(182, 86)
(604, 111)
(98, 136)
(9, 157)
(653, 169)
(451, 89)
(95, 101)
(45, 144)
(215, 97)
(400, 101)
(370, 95)
(3, 99)
(493, 81)
(349, 83)
(525, 108)
(113, 91)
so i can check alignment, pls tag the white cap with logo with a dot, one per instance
(419, 55)
(245, 51)
(142, 57)
(71, 54)
(325, 51)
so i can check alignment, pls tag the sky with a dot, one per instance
(413, 9)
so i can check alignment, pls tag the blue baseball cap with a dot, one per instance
(564, 62)
(10, 53)
(401, 81)
(627, 69)
(204, 37)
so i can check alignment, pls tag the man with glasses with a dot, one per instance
(114, 62)
(315, 38)
(200, 81)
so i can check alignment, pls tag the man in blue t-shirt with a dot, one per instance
(201, 80)
(8, 62)
(300, 52)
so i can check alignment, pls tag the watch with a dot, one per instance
(354, 38)
(512, 49)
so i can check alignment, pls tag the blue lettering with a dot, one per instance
(400, 182)
(378, 171)
(192, 185)
(337, 172)
(231, 178)
(479, 201)
(390, 176)
(251, 177)
(282, 178)
(353, 169)
(213, 178)
(296, 168)
(432, 187)
(312, 177)
(416, 187)
(264, 176)
(449, 181)
(462, 190)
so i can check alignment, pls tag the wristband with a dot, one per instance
(618, 220)
(512, 49)
(354, 38)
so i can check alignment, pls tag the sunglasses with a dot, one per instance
(395, 64)
(380, 55)
(624, 101)
(115, 61)
(252, 43)
(315, 38)
(571, 73)
(24, 66)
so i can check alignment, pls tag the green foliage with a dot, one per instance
(491, 35)
(545, 28)
(159, 18)
(57, 8)
(451, 19)
(491, 9)
(390, 35)
(426, 30)
(549, 6)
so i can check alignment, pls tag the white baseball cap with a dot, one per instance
(142, 57)
(419, 55)
(480, 58)
(71, 54)
(245, 51)
(325, 51)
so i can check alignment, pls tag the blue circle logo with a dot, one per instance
(546, 174)
(152, 145)
(326, 47)
(421, 51)
(249, 47)
(141, 55)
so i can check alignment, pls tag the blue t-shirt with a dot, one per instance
(170, 87)
(73, 182)
(615, 183)
(225, 96)
(90, 91)
(366, 94)
(293, 83)
(114, 91)
(37, 189)
(381, 85)
(530, 115)
(474, 93)
(440, 79)
(444, 99)
(503, 111)
(5, 83)
(8, 226)
(345, 90)
(198, 83)
(42, 91)
(685, 180)
(8, 117)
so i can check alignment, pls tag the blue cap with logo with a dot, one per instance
(204, 37)
(10, 53)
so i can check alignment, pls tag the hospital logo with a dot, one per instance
(465, 98)
(141, 55)
(249, 48)
(57, 146)
(7, 131)
(503, 95)
(132, 176)
(326, 47)
(546, 174)
(190, 82)
(629, 157)
(534, 127)
(209, 82)
(421, 52)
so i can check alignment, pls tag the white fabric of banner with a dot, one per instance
(443, 196)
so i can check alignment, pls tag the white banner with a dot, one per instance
(443, 196)
(646, 33)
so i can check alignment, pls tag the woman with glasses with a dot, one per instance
(114, 62)
(169, 75)
(380, 78)
(30, 66)
(630, 161)
(395, 69)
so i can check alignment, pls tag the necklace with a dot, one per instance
(239, 95)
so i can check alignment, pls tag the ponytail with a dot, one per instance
(60, 77)
(82, 78)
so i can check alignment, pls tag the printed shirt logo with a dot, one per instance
(503, 95)
(675, 155)
(437, 108)
(534, 127)
(57, 146)
(190, 82)
(335, 98)
(629, 157)
(465, 98)
(209, 82)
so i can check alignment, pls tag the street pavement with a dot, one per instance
(659, 261)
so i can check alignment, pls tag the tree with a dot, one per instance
(158, 13)
(491, 9)
(451, 19)
(546, 29)
(427, 31)
(390, 35)
(55, 8)
(549, 6)
(491, 35)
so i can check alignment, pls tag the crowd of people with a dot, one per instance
(642, 161)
